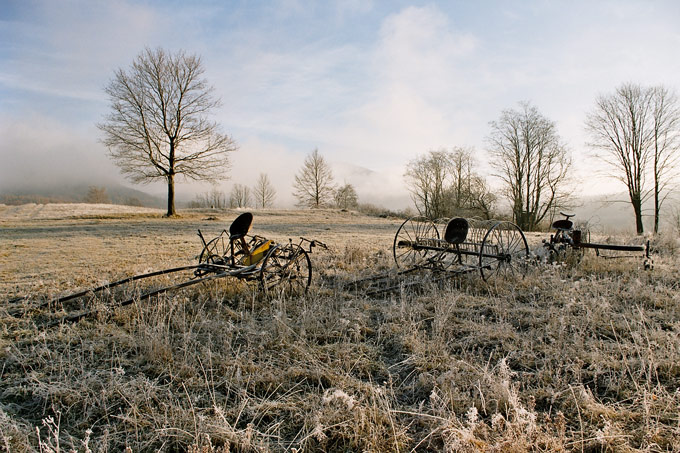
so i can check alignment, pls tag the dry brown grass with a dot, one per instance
(572, 358)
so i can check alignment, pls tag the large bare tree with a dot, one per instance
(630, 131)
(444, 183)
(158, 126)
(264, 192)
(314, 183)
(532, 163)
(665, 143)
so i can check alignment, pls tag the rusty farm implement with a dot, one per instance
(452, 247)
(568, 240)
(276, 268)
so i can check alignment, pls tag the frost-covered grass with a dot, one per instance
(571, 358)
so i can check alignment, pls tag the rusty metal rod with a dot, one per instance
(622, 248)
(21, 313)
(122, 282)
(80, 315)
(454, 250)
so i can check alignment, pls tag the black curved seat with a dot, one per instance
(563, 224)
(240, 226)
(456, 231)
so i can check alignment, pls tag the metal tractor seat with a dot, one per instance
(237, 232)
(240, 226)
(456, 231)
(563, 224)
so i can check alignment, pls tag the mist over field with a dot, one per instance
(371, 85)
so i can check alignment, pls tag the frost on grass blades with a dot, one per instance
(283, 269)
(571, 357)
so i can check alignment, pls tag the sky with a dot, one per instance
(371, 84)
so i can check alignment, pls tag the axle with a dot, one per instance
(452, 249)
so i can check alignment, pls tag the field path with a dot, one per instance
(33, 211)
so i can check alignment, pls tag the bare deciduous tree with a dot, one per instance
(97, 195)
(483, 200)
(532, 162)
(443, 183)
(214, 198)
(428, 179)
(264, 192)
(240, 196)
(158, 126)
(346, 197)
(314, 183)
(620, 127)
(665, 143)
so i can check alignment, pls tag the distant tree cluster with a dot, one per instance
(19, 199)
(261, 195)
(529, 158)
(445, 184)
(133, 201)
(214, 199)
(314, 186)
(240, 196)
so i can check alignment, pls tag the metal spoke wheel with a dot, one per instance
(218, 251)
(504, 252)
(411, 236)
(286, 270)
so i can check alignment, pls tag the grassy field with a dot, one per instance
(571, 358)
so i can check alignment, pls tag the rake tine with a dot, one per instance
(21, 313)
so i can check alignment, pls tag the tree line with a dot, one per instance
(159, 128)
(635, 131)
(314, 188)
(261, 195)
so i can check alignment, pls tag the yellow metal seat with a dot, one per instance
(258, 253)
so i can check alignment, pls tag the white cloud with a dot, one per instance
(293, 75)
(418, 45)
(415, 84)
(69, 49)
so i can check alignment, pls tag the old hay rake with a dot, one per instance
(452, 247)
(277, 268)
(569, 241)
